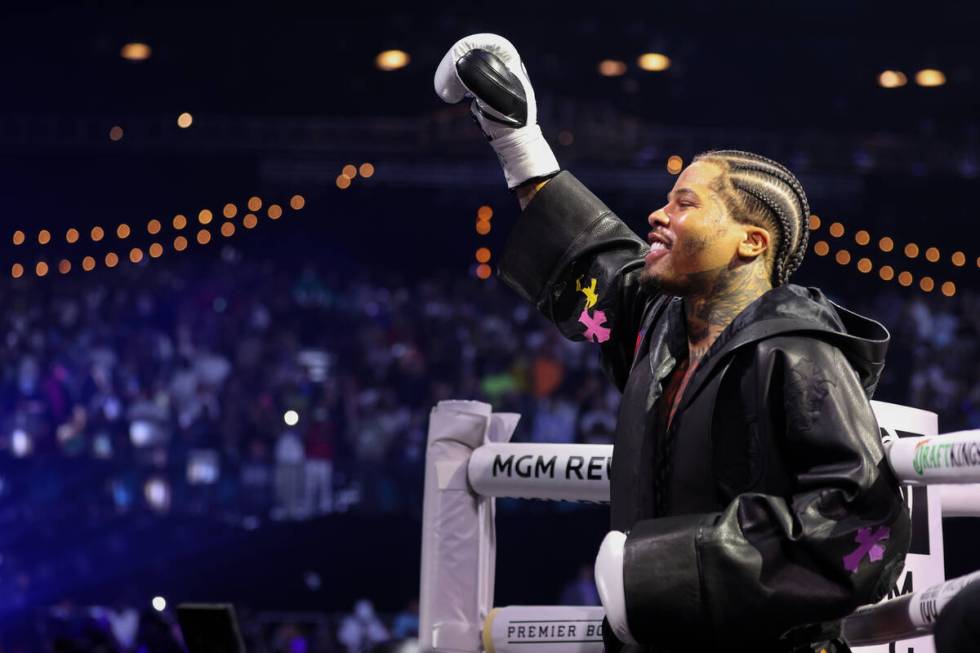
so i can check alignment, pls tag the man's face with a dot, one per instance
(693, 238)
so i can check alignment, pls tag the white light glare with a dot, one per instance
(20, 442)
(291, 418)
(157, 493)
(159, 603)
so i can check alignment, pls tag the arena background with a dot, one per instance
(148, 455)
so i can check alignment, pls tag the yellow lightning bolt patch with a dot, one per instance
(591, 296)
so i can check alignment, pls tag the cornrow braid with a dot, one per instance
(767, 187)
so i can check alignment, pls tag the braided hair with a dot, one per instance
(759, 191)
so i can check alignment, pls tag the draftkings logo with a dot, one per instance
(930, 454)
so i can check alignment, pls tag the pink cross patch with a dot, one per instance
(868, 545)
(593, 326)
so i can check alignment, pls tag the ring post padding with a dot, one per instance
(458, 536)
(557, 472)
(924, 563)
(544, 629)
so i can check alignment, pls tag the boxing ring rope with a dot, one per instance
(580, 472)
(470, 462)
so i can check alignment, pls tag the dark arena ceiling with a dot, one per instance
(759, 64)
(282, 96)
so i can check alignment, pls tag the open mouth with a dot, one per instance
(657, 250)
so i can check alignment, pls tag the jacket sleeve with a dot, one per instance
(579, 265)
(767, 563)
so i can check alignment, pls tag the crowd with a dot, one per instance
(939, 338)
(248, 389)
(241, 388)
(251, 390)
(124, 628)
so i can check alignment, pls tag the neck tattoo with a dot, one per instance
(710, 312)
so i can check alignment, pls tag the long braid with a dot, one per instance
(771, 186)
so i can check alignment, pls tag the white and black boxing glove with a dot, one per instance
(487, 68)
(610, 583)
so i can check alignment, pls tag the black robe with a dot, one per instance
(767, 511)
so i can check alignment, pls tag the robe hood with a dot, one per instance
(796, 310)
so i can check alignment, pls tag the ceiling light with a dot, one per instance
(392, 60)
(653, 61)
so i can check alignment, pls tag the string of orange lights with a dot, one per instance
(483, 216)
(154, 227)
(820, 247)
(886, 244)
(350, 172)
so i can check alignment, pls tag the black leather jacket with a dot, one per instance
(767, 511)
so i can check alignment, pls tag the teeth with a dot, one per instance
(657, 246)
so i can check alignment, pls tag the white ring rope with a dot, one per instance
(556, 472)
(906, 617)
(951, 458)
(580, 472)
(534, 628)
(529, 628)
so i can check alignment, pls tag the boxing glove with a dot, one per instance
(488, 68)
(609, 581)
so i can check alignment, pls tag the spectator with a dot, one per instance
(362, 629)
(320, 438)
(406, 623)
(290, 459)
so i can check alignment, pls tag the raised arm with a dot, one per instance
(568, 254)
(580, 266)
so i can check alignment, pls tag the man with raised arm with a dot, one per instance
(751, 503)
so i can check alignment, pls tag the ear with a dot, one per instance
(755, 243)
